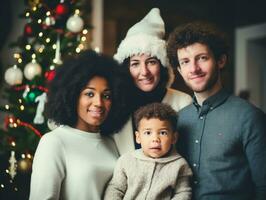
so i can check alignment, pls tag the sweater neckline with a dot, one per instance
(172, 156)
(71, 130)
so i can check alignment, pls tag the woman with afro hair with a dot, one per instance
(76, 159)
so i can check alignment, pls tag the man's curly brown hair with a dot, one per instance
(196, 32)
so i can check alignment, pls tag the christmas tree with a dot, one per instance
(53, 30)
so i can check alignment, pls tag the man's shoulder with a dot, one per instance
(187, 110)
(240, 105)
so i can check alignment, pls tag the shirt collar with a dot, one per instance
(211, 102)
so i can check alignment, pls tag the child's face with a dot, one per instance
(155, 136)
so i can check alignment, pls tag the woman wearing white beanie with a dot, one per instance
(143, 52)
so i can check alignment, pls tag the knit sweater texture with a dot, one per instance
(72, 164)
(138, 177)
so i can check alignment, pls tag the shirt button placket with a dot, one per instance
(197, 143)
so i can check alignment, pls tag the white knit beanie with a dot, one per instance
(146, 36)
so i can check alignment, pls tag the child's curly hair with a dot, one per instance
(159, 111)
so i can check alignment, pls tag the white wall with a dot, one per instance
(15, 31)
(250, 63)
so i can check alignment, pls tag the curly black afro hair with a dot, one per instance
(73, 76)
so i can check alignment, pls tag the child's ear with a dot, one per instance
(137, 134)
(175, 138)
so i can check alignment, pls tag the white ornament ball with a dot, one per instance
(13, 76)
(75, 24)
(31, 70)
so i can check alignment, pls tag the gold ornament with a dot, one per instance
(24, 165)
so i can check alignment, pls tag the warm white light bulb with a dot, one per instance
(77, 49)
(28, 47)
(22, 107)
(85, 31)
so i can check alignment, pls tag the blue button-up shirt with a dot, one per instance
(224, 141)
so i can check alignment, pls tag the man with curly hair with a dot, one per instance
(223, 137)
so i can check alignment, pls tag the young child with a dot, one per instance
(156, 171)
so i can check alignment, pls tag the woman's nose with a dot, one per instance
(143, 69)
(97, 100)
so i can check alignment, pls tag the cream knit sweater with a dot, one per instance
(71, 164)
(137, 177)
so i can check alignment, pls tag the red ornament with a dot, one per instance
(6, 122)
(28, 30)
(61, 9)
(49, 75)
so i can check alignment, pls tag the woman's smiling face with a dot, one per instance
(145, 71)
(94, 104)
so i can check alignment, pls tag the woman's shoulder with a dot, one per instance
(177, 93)
(177, 99)
(54, 136)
